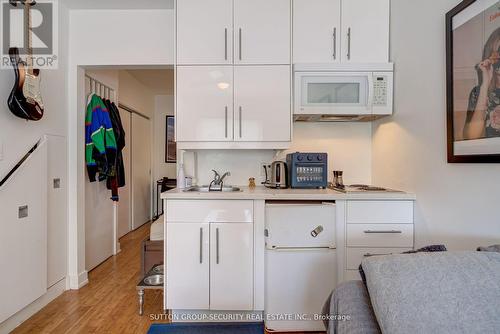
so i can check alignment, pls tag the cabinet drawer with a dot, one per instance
(385, 212)
(380, 235)
(209, 211)
(356, 255)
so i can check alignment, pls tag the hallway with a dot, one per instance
(108, 304)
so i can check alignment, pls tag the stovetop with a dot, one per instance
(361, 188)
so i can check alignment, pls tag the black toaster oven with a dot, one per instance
(307, 170)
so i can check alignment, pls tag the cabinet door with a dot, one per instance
(316, 31)
(231, 266)
(204, 32)
(187, 259)
(262, 103)
(204, 103)
(365, 31)
(262, 31)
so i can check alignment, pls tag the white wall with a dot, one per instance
(164, 105)
(457, 204)
(104, 38)
(348, 146)
(136, 95)
(122, 37)
(17, 136)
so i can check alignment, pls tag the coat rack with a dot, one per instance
(98, 88)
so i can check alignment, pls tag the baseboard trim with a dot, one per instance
(77, 282)
(17, 319)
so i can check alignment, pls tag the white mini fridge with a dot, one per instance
(300, 264)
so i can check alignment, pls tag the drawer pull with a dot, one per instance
(383, 232)
(369, 254)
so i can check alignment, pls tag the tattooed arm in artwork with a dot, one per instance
(478, 103)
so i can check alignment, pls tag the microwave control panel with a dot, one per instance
(380, 90)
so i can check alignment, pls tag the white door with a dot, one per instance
(231, 266)
(204, 32)
(23, 241)
(204, 103)
(141, 171)
(262, 103)
(298, 282)
(287, 225)
(187, 260)
(316, 31)
(365, 31)
(124, 205)
(262, 31)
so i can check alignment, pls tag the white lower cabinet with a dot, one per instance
(188, 273)
(231, 266)
(210, 265)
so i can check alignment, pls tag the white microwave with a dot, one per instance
(343, 92)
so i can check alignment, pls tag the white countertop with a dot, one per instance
(263, 193)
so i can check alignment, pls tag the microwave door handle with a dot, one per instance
(369, 104)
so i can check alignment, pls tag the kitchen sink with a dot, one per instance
(206, 189)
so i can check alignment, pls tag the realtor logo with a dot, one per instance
(31, 27)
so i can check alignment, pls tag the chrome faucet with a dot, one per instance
(218, 179)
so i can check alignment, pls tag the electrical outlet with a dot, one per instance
(23, 211)
(57, 183)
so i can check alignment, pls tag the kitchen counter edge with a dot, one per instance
(262, 193)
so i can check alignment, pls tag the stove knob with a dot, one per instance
(310, 157)
(320, 158)
(300, 157)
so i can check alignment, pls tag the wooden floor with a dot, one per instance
(108, 304)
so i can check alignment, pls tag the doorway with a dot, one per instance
(139, 96)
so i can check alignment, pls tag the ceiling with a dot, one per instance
(120, 4)
(160, 82)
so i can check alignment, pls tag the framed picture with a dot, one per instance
(473, 82)
(170, 145)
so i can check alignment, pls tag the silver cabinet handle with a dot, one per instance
(383, 232)
(225, 120)
(239, 37)
(369, 254)
(225, 43)
(201, 244)
(349, 43)
(334, 43)
(217, 245)
(241, 116)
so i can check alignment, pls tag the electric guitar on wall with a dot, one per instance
(25, 100)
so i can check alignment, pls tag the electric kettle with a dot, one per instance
(277, 175)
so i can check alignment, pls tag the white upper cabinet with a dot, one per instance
(365, 31)
(204, 32)
(262, 103)
(262, 31)
(332, 31)
(204, 103)
(316, 31)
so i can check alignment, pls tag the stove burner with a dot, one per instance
(365, 187)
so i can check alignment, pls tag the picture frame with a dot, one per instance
(170, 144)
(473, 104)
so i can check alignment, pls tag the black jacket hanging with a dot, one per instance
(113, 183)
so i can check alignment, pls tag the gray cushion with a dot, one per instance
(452, 292)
